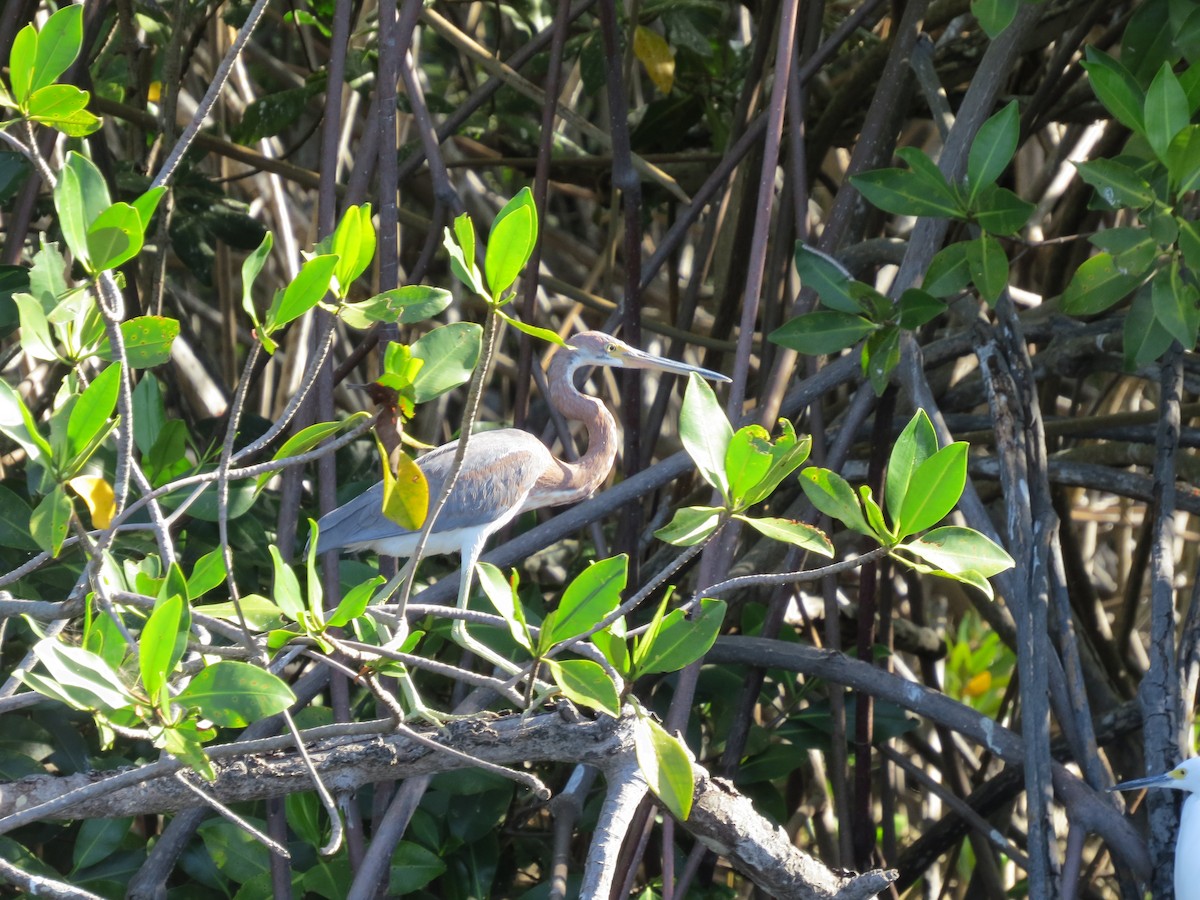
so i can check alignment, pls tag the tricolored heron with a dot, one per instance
(504, 473)
(1184, 777)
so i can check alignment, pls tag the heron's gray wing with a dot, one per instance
(500, 469)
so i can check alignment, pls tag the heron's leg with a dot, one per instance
(459, 630)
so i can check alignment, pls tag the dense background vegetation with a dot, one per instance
(856, 210)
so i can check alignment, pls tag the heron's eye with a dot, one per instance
(611, 348)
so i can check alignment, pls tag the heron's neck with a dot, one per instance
(584, 475)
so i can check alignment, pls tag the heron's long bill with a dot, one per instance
(1164, 780)
(632, 358)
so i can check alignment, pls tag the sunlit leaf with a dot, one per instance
(585, 683)
(234, 694)
(666, 767)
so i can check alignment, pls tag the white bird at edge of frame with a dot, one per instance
(1184, 777)
(504, 473)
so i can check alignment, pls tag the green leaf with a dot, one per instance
(916, 443)
(948, 272)
(585, 683)
(615, 648)
(957, 550)
(354, 245)
(56, 101)
(156, 646)
(591, 596)
(185, 741)
(514, 235)
(933, 490)
(22, 63)
(57, 46)
(996, 141)
(85, 677)
(503, 597)
(1133, 249)
(89, 422)
(261, 614)
(50, 520)
(994, 15)
(98, 839)
(999, 211)
(234, 694)
(705, 432)
(542, 334)
(789, 531)
(115, 237)
(690, 525)
(917, 308)
(1116, 183)
(207, 573)
(679, 641)
(35, 329)
(146, 204)
(747, 461)
(1115, 88)
(16, 422)
(14, 522)
(1144, 337)
(989, 267)
(287, 587)
(1174, 305)
(450, 353)
(1166, 111)
(1148, 40)
(406, 305)
(787, 454)
(302, 293)
(873, 512)
(1183, 160)
(908, 193)
(1189, 243)
(354, 603)
(251, 266)
(316, 591)
(829, 493)
(412, 867)
(880, 356)
(308, 438)
(827, 277)
(148, 340)
(822, 332)
(460, 244)
(666, 767)
(1097, 284)
(68, 201)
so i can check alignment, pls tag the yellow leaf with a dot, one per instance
(654, 53)
(405, 493)
(98, 495)
(154, 92)
(978, 685)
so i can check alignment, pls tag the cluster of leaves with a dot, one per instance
(1157, 257)
(855, 310)
(35, 63)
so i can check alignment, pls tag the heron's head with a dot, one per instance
(595, 348)
(1184, 777)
